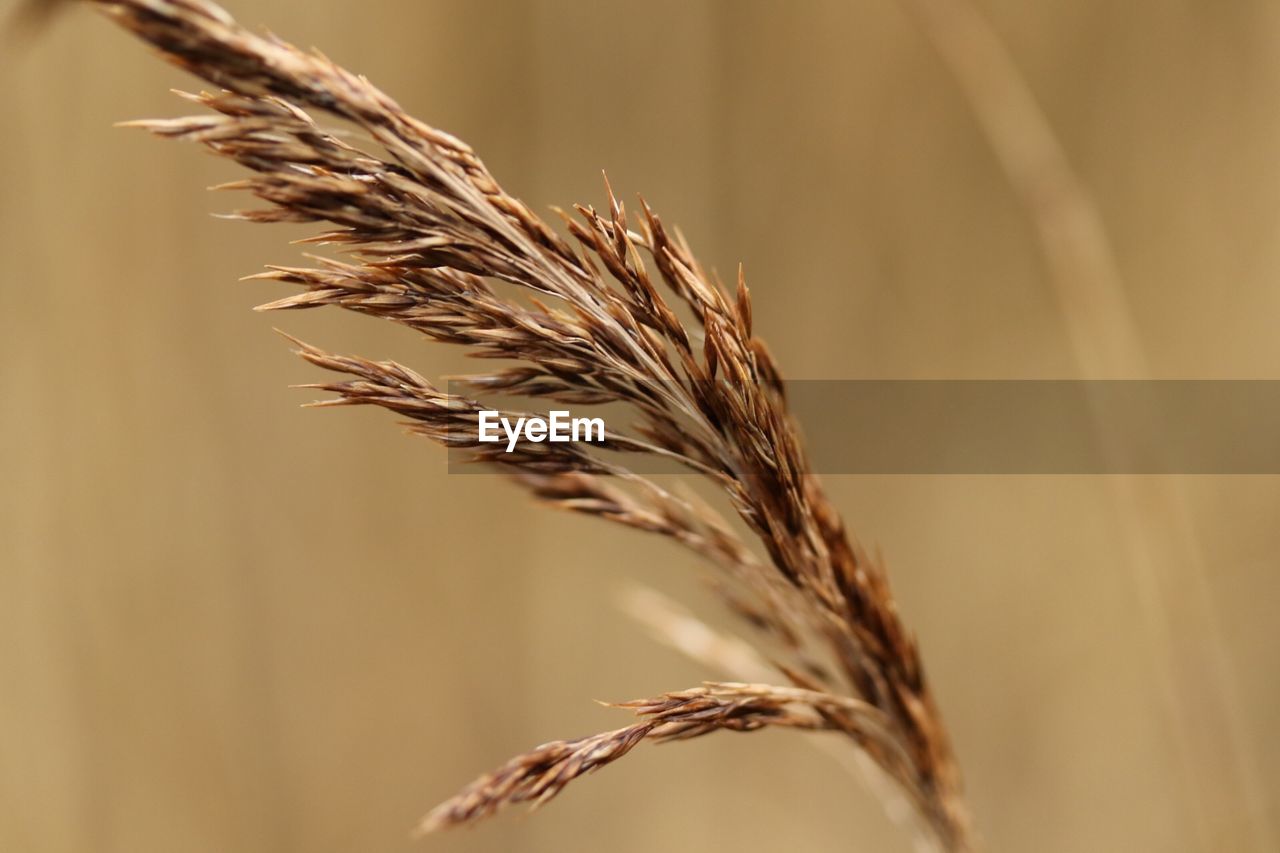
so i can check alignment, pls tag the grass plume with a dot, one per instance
(427, 232)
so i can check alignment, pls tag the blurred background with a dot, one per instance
(227, 624)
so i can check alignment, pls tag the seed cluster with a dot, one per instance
(433, 242)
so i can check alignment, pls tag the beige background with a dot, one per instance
(227, 624)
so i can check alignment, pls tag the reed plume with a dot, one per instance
(433, 242)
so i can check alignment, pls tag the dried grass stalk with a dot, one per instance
(427, 232)
(541, 773)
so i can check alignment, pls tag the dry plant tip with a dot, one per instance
(426, 232)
